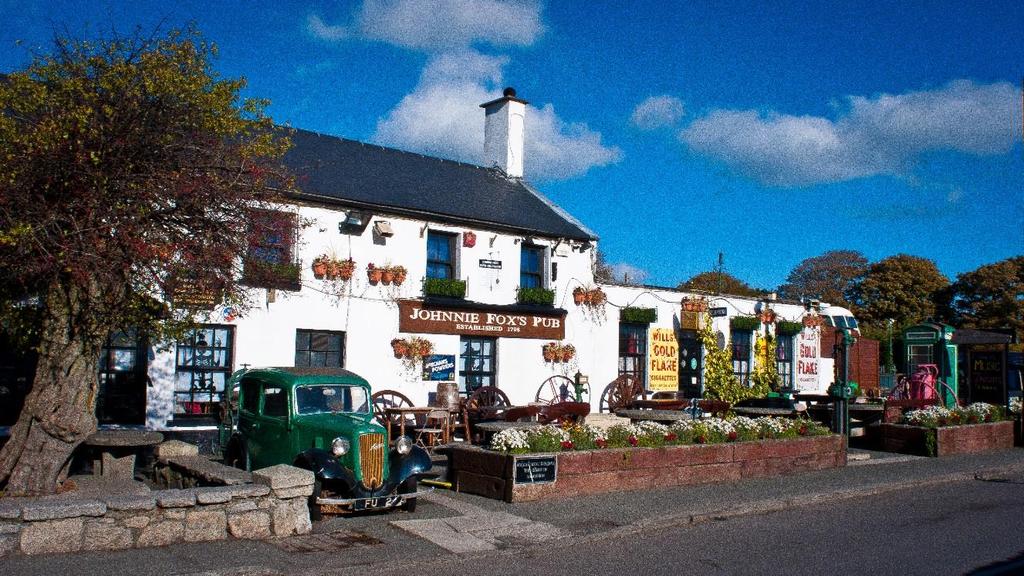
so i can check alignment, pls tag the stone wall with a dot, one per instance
(946, 440)
(274, 505)
(487, 473)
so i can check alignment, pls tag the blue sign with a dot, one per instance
(439, 367)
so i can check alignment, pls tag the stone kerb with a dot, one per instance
(491, 474)
(274, 506)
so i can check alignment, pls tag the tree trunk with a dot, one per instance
(59, 412)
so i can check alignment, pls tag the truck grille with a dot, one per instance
(371, 459)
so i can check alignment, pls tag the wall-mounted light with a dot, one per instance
(383, 228)
(354, 221)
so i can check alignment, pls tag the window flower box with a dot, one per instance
(638, 315)
(444, 287)
(536, 296)
(263, 274)
(745, 323)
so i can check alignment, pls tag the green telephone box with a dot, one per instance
(931, 343)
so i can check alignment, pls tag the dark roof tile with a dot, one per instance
(362, 174)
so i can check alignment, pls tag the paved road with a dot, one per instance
(867, 518)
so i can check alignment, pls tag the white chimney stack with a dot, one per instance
(504, 133)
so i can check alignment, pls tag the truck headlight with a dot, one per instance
(403, 445)
(340, 446)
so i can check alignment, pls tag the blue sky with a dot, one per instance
(675, 130)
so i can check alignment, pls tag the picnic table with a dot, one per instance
(118, 449)
(488, 429)
(661, 416)
(755, 411)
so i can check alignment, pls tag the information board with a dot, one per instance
(536, 469)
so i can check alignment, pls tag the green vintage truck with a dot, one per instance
(322, 420)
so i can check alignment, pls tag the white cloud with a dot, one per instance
(324, 31)
(628, 274)
(883, 135)
(439, 25)
(657, 112)
(442, 117)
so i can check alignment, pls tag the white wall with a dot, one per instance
(368, 315)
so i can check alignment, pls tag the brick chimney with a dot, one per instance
(504, 133)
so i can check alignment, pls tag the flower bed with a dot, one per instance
(552, 462)
(938, 431)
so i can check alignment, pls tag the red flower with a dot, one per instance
(601, 443)
(988, 417)
(633, 441)
(702, 439)
(733, 436)
(671, 437)
(802, 431)
(567, 445)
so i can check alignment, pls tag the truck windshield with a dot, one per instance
(330, 398)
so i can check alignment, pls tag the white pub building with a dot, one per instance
(416, 270)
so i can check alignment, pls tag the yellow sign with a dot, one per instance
(664, 360)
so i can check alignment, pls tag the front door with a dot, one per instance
(690, 365)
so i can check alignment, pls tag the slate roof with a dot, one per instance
(332, 169)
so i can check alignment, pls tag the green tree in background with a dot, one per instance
(991, 296)
(907, 289)
(715, 282)
(829, 277)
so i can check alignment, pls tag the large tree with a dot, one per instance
(904, 288)
(128, 170)
(828, 277)
(991, 296)
(716, 282)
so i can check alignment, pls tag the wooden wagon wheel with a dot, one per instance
(390, 399)
(621, 392)
(487, 397)
(556, 389)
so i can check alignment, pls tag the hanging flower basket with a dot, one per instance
(578, 295)
(813, 321)
(320, 266)
(694, 305)
(399, 274)
(768, 316)
(373, 274)
(556, 352)
(400, 348)
(345, 268)
(387, 276)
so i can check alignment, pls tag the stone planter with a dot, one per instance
(493, 474)
(946, 440)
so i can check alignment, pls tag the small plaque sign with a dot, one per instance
(536, 469)
(492, 264)
(719, 312)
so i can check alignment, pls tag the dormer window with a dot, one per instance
(531, 267)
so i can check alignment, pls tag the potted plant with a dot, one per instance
(597, 297)
(373, 274)
(812, 321)
(320, 266)
(578, 295)
(768, 316)
(400, 274)
(400, 348)
(568, 351)
(345, 268)
(550, 350)
(387, 275)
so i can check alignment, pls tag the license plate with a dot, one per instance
(374, 503)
